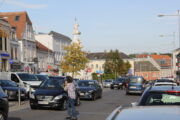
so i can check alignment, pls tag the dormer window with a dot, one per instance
(17, 18)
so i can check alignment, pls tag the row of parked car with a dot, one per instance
(43, 91)
(160, 101)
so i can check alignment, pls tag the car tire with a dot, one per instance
(112, 88)
(3, 116)
(33, 107)
(64, 105)
(100, 96)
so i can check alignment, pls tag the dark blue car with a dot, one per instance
(4, 107)
(11, 89)
(135, 85)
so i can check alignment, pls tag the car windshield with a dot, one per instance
(86, 83)
(52, 84)
(107, 80)
(164, 80)
(7, 83)
(42, 77)
(136, 80)
(1, 90)
(163, 99)
(27, 77)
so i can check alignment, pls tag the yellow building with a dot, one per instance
(5, 30)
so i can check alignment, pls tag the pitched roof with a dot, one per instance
(144, 66)
(102, 55)
(20, 24)
(59, 34)
(41, 47)
(160, 57)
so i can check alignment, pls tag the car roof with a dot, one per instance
(164, 88)
(148, 113)
(87, 80)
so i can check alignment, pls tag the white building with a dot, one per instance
(22, 24)
(55, 42)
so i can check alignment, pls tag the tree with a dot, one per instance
(114, 65)
(75, 59)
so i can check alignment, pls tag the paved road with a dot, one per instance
(89, 110)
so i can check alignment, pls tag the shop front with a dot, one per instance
(4, 62)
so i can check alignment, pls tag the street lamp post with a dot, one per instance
(177, 15)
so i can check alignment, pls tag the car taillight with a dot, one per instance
(173, 91)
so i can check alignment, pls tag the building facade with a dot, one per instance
(22, 24)
(5, 33)
(97, 61)
(55, 42)
(45, 57)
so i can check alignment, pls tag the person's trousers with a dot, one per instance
(71, 107)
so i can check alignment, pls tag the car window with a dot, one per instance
(163, 99)
(86, 83)
(27, 77)
(1, 90)
(52, 84)
(14, 78)
(7, 83)
(136, 80)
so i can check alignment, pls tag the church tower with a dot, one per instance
(76, 32)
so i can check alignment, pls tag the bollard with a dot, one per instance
(19, 96)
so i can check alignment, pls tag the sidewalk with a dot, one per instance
(14, 105)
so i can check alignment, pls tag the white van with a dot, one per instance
(24, 80)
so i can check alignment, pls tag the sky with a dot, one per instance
(131, 26)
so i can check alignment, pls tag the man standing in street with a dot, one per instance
(71, 90)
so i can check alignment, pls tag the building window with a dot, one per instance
(96, 66)
(92, 66)
(12, 57)
(5, 41)
(17, 18)
(16, 53)
(0, 43)
(14, 28)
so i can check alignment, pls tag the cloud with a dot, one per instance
(25, 5)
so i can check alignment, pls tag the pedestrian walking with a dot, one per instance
(71, 90)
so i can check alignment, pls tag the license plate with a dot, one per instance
(43, 102)
(133, 87)
(81, 93)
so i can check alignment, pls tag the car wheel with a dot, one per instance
(64, 105)
(33, 107)
(100, 96)
(3, 116)
(78, 102)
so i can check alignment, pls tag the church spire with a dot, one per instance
(76, 32)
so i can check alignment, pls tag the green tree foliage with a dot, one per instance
(114, 65)
(75, 59)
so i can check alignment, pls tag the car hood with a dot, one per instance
(33, 83)
(85, 89)
(13, 88)
(49, 92)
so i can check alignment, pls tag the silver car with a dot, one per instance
(146, 113)
(107, 83)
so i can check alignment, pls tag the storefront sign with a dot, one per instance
(4, 55)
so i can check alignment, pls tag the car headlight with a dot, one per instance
(32, 96)
(90, 91)
(58, 97)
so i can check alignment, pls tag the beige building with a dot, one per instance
(5, 32)
(96, 64)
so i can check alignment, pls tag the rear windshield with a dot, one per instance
(136, 80)
(86, 83)
(42, 77)
(164, 80)
(107, 80)
(162, 99)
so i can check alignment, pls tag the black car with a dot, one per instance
(11, 89)
(50, 94)
(4, 107)
(89, 89)
(160, 95)
(119, 83)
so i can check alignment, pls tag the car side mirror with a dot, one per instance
(134, 104)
